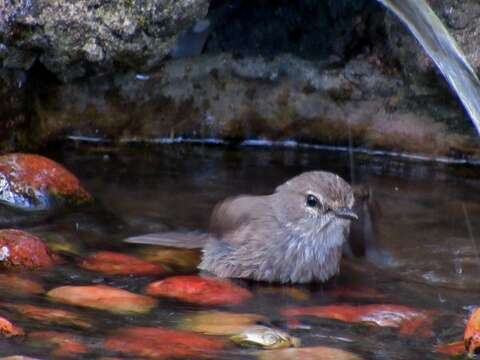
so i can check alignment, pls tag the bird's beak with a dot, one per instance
(346, 213)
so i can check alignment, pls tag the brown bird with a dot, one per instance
(294, 235)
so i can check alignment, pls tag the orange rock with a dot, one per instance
(408, 320)
(23, 251)
(16, 285)
(199, 290)
(32, 181)
(62, 345)
(112, 263)
(158, 343)
(103, 297)
(8, 329)
(472, 332)
(453, 349)
(48, 315)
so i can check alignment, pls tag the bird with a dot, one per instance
(294, 235)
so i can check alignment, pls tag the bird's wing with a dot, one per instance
(177, 239)
(233, 215)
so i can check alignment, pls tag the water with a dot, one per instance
(444, 51)
(427, 226)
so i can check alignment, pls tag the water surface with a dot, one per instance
(427, 224)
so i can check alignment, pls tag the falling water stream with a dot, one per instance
(429, 30)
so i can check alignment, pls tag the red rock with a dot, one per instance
(16, 285)
(112, 263)
(62, 345)
(8, 329)
(29, 180)
(199, 290)
(472, 332)
(48, 315)
(453, 349)
(158, 343)
(103, 297)
(408, 320)
(20, 250)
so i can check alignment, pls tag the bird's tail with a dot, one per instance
(177, 239)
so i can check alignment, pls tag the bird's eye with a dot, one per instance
(312, 201)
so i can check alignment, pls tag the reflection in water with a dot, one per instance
(419, 219)
(444, 51)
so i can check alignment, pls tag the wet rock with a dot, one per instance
(33, 182)
(103, 297)
(8, 329)
(265, 337)
(158, 343)
(462, 21)
(112, 263)
(199, 290)
(72, 38)
(11, 284)
(219, 323)
(61, 344)
(48, 315)
(175, 259)
(452, 349)
(472, 333)
(408, 320)
(20, 250)
(308, 353)
(13, 100)
(285, 98)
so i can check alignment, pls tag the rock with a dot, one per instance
(20, 250)
(409, 321)
(265, 337)
(49, 315)
(308, 353)
(453, 349)
(103, 297)
(286, 98)
(219, 323)
(74, 37)
(112, 263)
(11, 284)
(199, 290)
(158, 343)
(33, 182)
(471, 337)
(62, 345)
(8, 329)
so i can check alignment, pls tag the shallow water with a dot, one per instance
(427, 225)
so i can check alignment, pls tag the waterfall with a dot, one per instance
(443, 49)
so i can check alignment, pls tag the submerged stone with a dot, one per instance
(11, 284)
(8, 329)
(219, 322)
(112, 263)
(48, 315)
(158, 343)
(20, 250)
(408, 320)
(62, 345)
(472, 333)
(199, 290)
(265, 337)
(103, 297)
(308, 353)
(33, 182)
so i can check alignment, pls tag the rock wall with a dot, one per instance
(325, 72)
